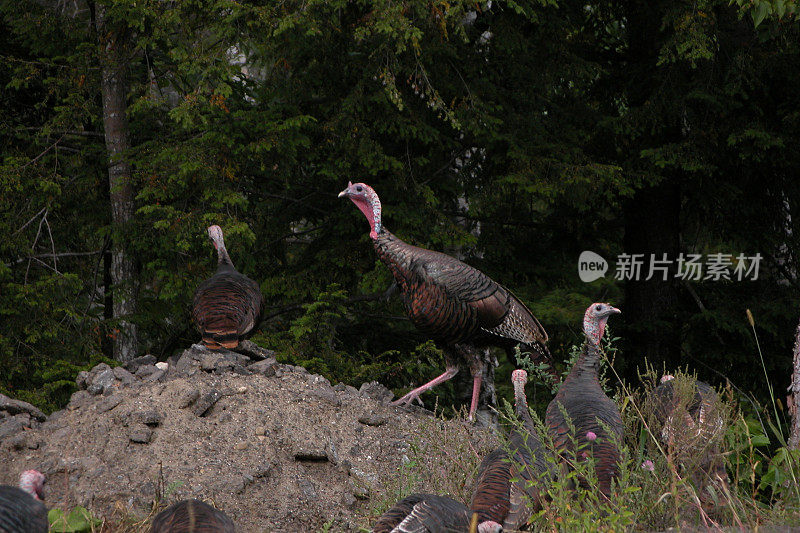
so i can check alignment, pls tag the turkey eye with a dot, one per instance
(598, 308)
(359, 188)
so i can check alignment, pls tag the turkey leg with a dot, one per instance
(451, 371)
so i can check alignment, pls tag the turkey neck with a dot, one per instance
(395, 254)
(588, 364)
(224, 263)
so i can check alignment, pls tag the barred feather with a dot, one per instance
(424, 513)
(192, 516)
(20, 512)
(227, 307)
(456, 303)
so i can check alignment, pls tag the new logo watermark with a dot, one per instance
(591, 266)
(690, 267)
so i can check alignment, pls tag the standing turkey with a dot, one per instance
(689, 417)
(584, 401)
(429, 513)
(457, 305)
(227, 306)
(21, 508)
(191, 516)
(509, 487)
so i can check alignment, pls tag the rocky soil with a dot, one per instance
(278, 449)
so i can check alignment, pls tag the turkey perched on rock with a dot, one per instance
(228, 305)
(584, 401)
(429, 513)
(459, 306)
(191, 516)
(510, 485)
(690, 419)
(21, 509)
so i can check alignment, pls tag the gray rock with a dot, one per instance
(102, 382)
(96, 369)
(266, 367)
(150, 418)
(134, 364)
(18, 441)
(146, 370)
(10, 426)
(307, 488)
(158, 375)
(188, 398)
(209, 361)
(109, 403)
(310, 452)
(205, 402)
(372, 419)
(123, 375)
(141, 434)
(376, 391)
(326, 395)
(14, 407)
(254, 351)
(82, 381)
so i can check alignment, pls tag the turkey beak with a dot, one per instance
(346, 192)
(614, 311)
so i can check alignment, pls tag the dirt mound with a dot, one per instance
(277, 448)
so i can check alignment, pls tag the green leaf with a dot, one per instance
(77, 521)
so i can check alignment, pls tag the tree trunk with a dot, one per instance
(114, 87)
(794, 388)
(651, 227)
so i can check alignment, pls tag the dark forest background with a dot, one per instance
(512, 134)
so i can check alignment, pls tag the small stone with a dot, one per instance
(10, 426)
(141, 435)
(376, 391)
(261, 431)
(205, 402)
(123, 375)
(348, 500)
(262, 470)
(364, 478)
(145, 370)
(155, 376)
(78, 400)
(326, 395)
(360, 491)
(109, 403)
(240, 446)
(241, 390)
(96, 369)
(134, 364)
(310, 452)
(82, 381)
(208, 361)
(18, 441)
(161, 365)
(267, 367)
(150, 418)
(372, 419)
(307, 488)
(253, 350)
(188, 398)
(102, 381)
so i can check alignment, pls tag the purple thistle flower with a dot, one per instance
(648, 465)
(590, 435)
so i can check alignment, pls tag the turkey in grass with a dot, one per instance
(584, 401)
(192, 516)
(512, 482)
(21, 508)
(457, 305)
(429, 513)
(227, 306)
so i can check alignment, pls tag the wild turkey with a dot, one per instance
(510, 486)
(228, 305)
(459, 306)
(689, 418)
(191, 516)
(21, 509)
(429, 513)
(585, 402)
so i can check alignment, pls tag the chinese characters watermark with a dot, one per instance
(689, 267)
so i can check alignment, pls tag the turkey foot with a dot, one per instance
(414, 394)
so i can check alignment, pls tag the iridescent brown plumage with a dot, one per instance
(584, 401)
(429, 513)
(227, 306)
(192, 516)
(457, 305)
(512, 482)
